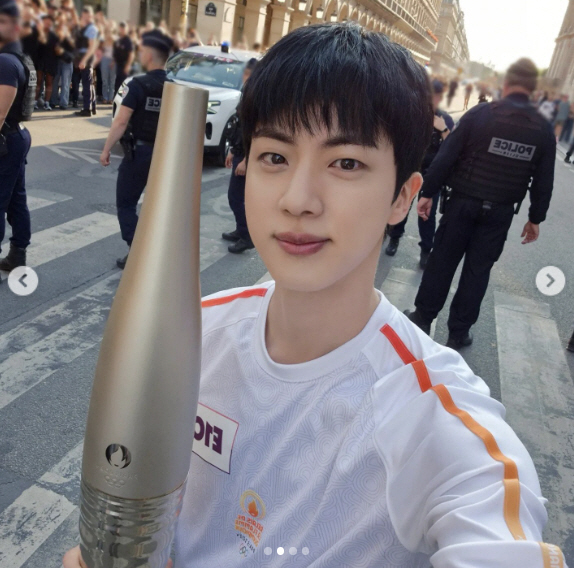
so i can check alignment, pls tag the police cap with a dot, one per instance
(157, 40)
(9, 8)
(437, 87)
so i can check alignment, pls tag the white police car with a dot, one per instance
(221, 74)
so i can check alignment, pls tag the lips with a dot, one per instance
(300, 244)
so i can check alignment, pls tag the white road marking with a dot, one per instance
(537, 389)
(265, 278)
(28, 522)
(30, 352)
(67, 470)
(87, 154)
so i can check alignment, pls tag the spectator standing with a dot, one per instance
(568, 124)
(562, 112)
(123, 54)
(47, 63)
(107, 63)
(452, 88)
(65, 66)
(467, 93)
(86, 45)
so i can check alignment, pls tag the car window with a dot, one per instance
(211, 70)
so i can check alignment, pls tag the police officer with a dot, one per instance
(494, 155)
(443, 124)
(17, 95)
(140, 112)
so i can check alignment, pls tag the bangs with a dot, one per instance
(353, 82)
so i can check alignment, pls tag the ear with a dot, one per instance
(400, 207)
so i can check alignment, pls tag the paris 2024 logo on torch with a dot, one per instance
(118, 456)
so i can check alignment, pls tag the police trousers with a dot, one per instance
(426, 228)
(467, 229)
(132, 179)
(236, 197)
(13, 205)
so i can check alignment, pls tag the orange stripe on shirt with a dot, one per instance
(552, 556)
(511, 508)
(227, 299)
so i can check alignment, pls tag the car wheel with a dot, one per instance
(224, 143)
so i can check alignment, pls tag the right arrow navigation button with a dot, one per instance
(550, 280)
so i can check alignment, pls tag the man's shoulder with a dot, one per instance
(11, 69)
(227, 307)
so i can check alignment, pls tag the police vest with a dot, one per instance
(144, 119)
(23, 105)
(497, 164)
(82, 42)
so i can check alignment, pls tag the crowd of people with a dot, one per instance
(70, 49)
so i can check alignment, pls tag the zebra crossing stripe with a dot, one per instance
(535, 380)
(31, 354)
(28, 522)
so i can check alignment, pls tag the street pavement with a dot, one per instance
(49, 340)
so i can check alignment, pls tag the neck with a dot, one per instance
(517, 91)
(302, 326)
(155, 65)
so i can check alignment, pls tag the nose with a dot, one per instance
(302, 195)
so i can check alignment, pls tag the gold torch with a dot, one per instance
(141, 419)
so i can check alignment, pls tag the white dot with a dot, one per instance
(292, 551)
(305, 551)
(268, 550)
(280, 551)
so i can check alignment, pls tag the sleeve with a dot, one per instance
(9, 70)
(91, 32)
(543, 180)
(461, 487)
(449, 121)
(134, 95)
(447, 156)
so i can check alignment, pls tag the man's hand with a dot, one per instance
(241, 168)
(530, 232)
(229, 160)
(73, 559)
(424, 207)
(82, 64)
(127, 69)
(105, 158)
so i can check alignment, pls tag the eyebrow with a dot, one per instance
(331, 142)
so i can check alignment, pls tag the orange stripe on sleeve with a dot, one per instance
(226, 299)
(398, 344)
(552, 556)
(511, 483)
(422, 375)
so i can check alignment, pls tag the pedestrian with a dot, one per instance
(443, 124)
(452, 88)
(236, 194)
(123, 53)
(467, 93)
(562, 112)
(86, 45)
(328, 424)
(107, 63)
(17, 93)
(47, 63)
(488, 161)
(65, 67)
(569, 153)
(138, 115)
(566, 133)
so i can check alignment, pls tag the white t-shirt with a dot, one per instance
(366, 457)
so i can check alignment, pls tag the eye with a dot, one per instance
(273, 159)
(347, 164)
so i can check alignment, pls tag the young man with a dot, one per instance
(86, 46)
(345, 436)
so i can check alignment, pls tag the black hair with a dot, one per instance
(372, 87)
(251, 64)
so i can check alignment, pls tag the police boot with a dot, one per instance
(417, 318)
(460, 340)
(392, 247)
(121, 262)
(567, 158)
(15, 257)
(570, 345)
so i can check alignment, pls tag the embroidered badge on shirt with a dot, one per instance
(248, 525)
(214, 437)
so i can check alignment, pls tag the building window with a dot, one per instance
(241, 23)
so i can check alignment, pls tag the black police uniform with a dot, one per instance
(426, 228)
(497, 152)
(16, 70)
(144, 97)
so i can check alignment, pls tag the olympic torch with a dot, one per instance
(140, 426)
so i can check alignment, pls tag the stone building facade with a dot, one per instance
(411, 23)
(451, 55)
(560, 75)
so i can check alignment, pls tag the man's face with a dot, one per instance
(317, 207)
(47, 24)
(86, 18)
(122, 31)
(8, 29)
(145, 56)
